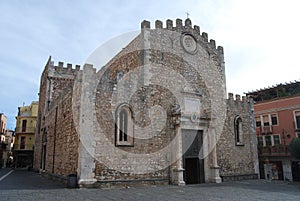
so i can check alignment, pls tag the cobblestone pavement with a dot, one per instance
(25, 185)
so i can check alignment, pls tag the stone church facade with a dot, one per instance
(156, 113)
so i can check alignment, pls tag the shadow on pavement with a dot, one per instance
(24, 179)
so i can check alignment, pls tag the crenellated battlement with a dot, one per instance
(69, 66)
(186, 27)
(239, 105)
(61, 71)
(238, 98)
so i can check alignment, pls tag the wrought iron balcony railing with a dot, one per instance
(264, 130)
(25, 147)
(25, 129)
(277, 150)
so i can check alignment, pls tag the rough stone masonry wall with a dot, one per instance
(237, 161)
(41, 110)
(165, 56)
(203, 72)
(54, 81)
(127, 61)
(62, 139)
(60, 77)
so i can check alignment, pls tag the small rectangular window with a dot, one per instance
(22, 142)
(258, 122)
(274, 119)
(24, 123)
(260, 141)
(298, 135)
(276, 139)
(297, 119)
(268, 140)
(266, 120)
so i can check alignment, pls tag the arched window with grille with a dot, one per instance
(238, 130)
(124, 126)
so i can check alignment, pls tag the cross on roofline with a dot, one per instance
(187, 14)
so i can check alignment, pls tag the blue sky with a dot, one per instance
(260, 38)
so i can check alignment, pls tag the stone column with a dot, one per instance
(86, 166)
(215, 175)
(86, 150)
(180, 169)
(146, 50)
(254, 140)
(177, 171)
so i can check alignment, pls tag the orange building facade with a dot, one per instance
(277, 115)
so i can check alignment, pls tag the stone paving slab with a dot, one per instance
(25, 186)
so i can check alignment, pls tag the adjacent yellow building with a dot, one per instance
(26, 122)
(3, 121)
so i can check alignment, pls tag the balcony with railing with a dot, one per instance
(277, 150)
(25, 129)
(23, 147)
(264, 130)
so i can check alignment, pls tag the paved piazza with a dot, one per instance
(26, 185)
